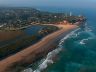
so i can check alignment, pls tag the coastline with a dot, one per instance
(36, 51)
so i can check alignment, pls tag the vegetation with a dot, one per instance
(12, 18)
(47, 30)
(20, 17)
(22, 43)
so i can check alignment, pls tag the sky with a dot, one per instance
(61, 3)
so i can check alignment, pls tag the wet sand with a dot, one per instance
(27, 56)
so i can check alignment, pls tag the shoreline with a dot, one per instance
(40, 49)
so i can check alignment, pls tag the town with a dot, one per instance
(19, 18)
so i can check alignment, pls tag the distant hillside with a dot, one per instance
(19, 17)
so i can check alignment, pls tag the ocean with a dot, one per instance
(77, 51)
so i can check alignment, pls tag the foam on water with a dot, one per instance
(28, 70)
(49, 59)
(92, 35)
(84, 40)
(51, 54)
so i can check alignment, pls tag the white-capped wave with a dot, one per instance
(83, 41)
(52, 54)
(49, 59)
(87, 28)
(77, 34)
(89, 31)
(28, 70)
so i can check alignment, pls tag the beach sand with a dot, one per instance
(40, 49)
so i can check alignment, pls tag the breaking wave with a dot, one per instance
(91, 36)
(49, 59)
(84, 40)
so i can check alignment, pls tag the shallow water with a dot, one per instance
(7, 37)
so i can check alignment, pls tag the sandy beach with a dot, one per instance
(29, 55)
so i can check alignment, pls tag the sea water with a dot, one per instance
(76, 52)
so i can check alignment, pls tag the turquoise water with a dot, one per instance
(79, 54)
(77, 51)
